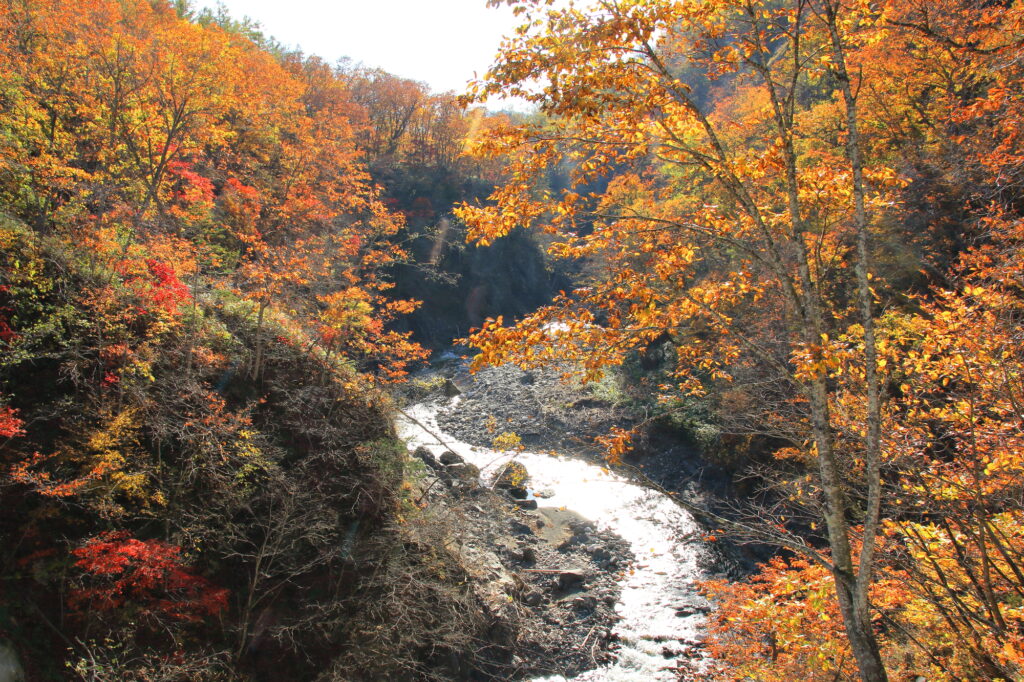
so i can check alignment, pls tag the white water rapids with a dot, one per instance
(663, 537)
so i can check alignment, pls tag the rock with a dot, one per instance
(512, 475)
(525, 504)
(518, 493)
(544, 494)
(449, 389)
(424, 454)
(568, 579)
(464, 472)
(520, 528)
(448, 458)
(585, 603)
(528, 555)
(687, 610)
(531, 597)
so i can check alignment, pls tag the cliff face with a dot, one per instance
(461, 285)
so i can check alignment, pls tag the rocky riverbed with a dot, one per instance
(602, 567)
(548, 577)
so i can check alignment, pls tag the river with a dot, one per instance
(659, 607)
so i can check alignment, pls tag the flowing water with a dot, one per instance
(662, 537)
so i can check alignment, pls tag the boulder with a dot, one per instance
(518, 528)
(531, 597)
(512, 475)
(570, 579)
(518, 493)
(424, 454)
(525, 504)
(448, 458)
(528, 555)
(464, 471)
(449, 389)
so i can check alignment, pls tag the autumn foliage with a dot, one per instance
(816, 207)
(197, 316)
(147, 575)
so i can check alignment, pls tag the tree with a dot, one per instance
(749, 202)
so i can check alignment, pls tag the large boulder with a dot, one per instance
(512, 475)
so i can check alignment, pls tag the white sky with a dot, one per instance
(440, 42)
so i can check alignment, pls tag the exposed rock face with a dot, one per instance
(510, 278)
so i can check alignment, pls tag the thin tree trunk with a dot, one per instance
(862, 638)
(257, 362)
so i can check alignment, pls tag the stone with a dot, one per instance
(449, 389)
(525, 504)
(544, 494)
(687, 610)
(520, 528)
(585, 603)
(531, 598)
(528, 555)
(448, 458)
(568, 579)
(512, 475)
(464, 472)
(424, 454)
(518, 493)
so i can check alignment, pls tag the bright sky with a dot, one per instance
(440, 42)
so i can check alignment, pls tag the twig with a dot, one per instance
(423, 426)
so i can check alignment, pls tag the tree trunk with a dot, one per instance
(856, 614)
(257, 361)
